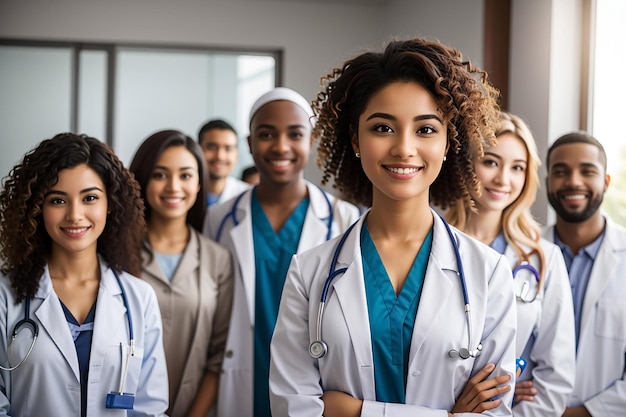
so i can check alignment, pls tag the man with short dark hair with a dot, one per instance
(594, 248)
(218, 140)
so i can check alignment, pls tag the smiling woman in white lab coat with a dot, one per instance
(71, 223)
(509, 177)
(396, 130)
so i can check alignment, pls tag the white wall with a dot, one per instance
(317, 36)
(314, 36)
(457, 23)
(544, 85)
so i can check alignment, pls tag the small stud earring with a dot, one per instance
(445, 158)
(357, 154)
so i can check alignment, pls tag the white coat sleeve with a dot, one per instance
(294, 382)
(152, 394)
(4, 375)
(554, 350)
(610, 402)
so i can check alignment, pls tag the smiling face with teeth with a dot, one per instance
(577, 181)
(502, 173)
(75, 210)
(173, 186)
(402, 141)
(280, 143)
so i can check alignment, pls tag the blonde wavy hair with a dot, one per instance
(519, 227)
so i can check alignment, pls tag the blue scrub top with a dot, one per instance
(391, 317)
(82, 334)
(272, 256)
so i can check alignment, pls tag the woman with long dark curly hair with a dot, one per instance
(71, 226)
(377, 322)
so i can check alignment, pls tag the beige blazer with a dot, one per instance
(195, 308)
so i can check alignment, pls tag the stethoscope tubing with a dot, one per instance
(27, 321)
(233, 215)
(318, 348)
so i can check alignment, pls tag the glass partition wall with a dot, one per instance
(123, 93)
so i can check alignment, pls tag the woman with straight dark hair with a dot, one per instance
(191, 274)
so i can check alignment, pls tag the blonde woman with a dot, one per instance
(501, 218)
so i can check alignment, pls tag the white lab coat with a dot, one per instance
(600, 361)
(233, 188)
(545, 335)
(47, 383)
(434, 379)
(235, 396)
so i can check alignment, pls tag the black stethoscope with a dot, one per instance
(233, 215)
(319, 348)
(116, 399)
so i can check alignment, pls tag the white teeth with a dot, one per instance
(76, 231)
(402, 170)
(497, 192)
(172, 200)
(574, 197)
(281, 163)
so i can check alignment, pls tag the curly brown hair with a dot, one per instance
(25, 246)
(462, 91)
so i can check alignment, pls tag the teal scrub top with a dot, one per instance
(391, 317)
(272, 256)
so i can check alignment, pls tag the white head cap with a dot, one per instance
(282, 93)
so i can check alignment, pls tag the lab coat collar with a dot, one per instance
(50, 315)
(187, 265)
(243, 246)
(442, 250)
(110, 312)
(438, 286)
(315, 227)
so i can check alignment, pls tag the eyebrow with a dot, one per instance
(583, 165)
(415, 119)
(272, 127)
(161, 167)
(494, 155)
(86, 190)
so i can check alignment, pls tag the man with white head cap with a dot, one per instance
(263, 228)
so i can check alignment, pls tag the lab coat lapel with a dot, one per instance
(350, 291)
(152, 266)
(243, 244)
(50, 315)
(110, 322)
(315, 228)
(436, 289)
(602, 272)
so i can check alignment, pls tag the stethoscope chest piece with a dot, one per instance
(318, 349)
(465, 353)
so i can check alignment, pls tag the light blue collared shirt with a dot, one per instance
(579, 270)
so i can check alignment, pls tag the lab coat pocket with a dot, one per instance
(611, 319)
(121, 359)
